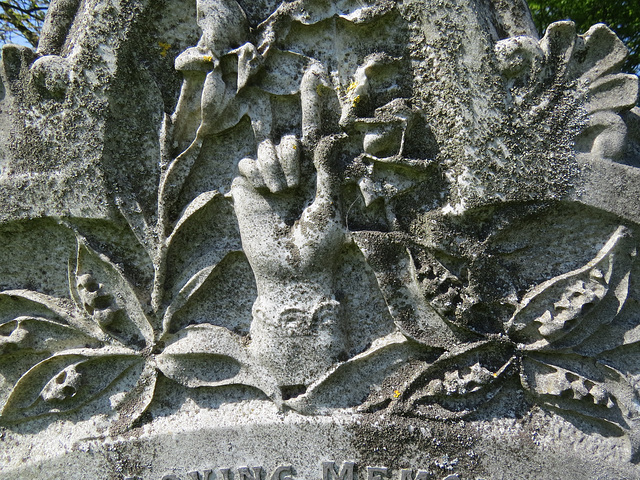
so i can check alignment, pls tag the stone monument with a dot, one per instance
(310, 239)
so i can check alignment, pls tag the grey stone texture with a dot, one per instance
(357, 239)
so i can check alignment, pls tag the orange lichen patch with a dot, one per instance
(164, 48)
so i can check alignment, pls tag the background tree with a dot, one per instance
(622, 16)
(21, 20)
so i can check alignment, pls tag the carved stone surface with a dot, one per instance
(307, 239)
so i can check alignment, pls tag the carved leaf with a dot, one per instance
(563, 59)
(566, 310)
(102, 291)
(26, 341)
(459, 381)
(205, 233)
(18, 303)
(363, 372)
(68, 380)
(134, 215)
(598, 52)
(210, 356)
(558, 45)
(135, 397)
(200, 202)
(173, 178)
(613, 92)
(396, 275)
(582, 385)
(185, 293)
(179, 130)
(40, 335)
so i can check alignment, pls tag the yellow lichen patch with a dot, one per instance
(164, 48)
(295, 147)
(356, 100)
(396, 393)
(352, 86)
(208, 58)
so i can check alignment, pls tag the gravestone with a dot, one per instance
(350, 240)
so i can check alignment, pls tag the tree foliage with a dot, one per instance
(622, 16)
(21, 20)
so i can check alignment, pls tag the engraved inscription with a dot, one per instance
(330, 471)
(204, 475)
(409, 474)
(377, 473)
(282, 473)
(246, 473)
(347, 470)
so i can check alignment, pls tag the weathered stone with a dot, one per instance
(305, 239)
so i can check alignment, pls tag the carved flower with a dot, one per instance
(554, 342)
(537, 72)
(71, 352)
(57, 355)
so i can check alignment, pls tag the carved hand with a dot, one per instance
(293, 251)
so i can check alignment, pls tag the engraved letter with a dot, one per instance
(330, 471)
(246, 474)
(377, 473)
(407, 474)
(283, 473)
(199, 476)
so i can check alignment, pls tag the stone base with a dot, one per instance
(252, 440)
